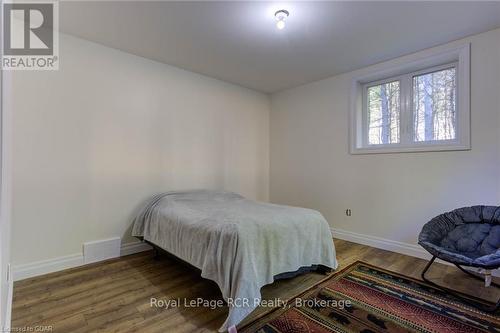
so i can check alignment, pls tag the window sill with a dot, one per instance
(409, 149)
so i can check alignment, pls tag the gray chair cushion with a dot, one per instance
(466, 236)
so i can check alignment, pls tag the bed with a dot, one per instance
(240, 244)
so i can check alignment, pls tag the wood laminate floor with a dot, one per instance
(115, 296)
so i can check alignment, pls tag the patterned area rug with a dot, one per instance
(364, 298)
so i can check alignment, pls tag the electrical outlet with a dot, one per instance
(348, 212)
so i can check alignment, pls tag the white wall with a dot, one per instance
(5, 199)
(6, 285)
(96, 138)
(391, 195)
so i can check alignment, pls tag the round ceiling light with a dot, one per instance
(281, 15)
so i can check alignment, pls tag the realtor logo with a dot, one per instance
(30, 36)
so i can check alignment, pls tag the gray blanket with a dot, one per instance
(240, 244)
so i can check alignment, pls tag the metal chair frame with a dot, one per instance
(489, 309)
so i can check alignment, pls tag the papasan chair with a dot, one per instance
(469, 237)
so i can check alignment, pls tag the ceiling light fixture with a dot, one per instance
(281, 15)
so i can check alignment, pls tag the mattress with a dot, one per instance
(240, 244)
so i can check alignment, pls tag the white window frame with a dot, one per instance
(428, 61)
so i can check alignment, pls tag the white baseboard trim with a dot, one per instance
(8, 310)
(381, 243)
(20, 272)
(25, 271)
(135, 247)
(412, 250)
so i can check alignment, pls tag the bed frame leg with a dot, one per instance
(156, 253)
(324, 270)
(490, 309)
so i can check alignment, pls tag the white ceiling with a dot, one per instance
(239, 43)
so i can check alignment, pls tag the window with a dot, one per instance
(383, 110)
(430, 115)
(434, 106)
(422, 106)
